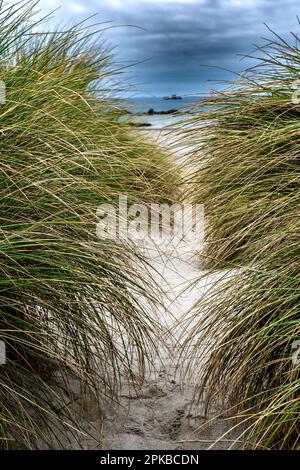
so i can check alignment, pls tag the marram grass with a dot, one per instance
(68, 301)
(245, 169)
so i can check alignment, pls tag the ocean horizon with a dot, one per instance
(146, 110)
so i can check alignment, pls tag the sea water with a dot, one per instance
(140, 107)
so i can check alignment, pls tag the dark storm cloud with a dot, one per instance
(178, 38)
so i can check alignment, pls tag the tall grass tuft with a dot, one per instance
(245, 169)
(69, 305)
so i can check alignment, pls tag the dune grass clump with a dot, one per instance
(68, 301)
(246, 171)
(244, 166)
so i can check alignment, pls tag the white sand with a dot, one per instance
(160, 414)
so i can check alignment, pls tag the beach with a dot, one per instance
(161, 414)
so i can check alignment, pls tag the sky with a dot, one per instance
(182, 46)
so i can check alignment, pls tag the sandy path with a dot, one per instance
(160, 414)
